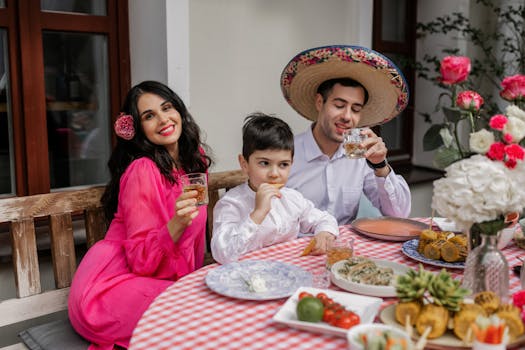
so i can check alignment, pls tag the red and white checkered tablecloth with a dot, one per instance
(188, 315)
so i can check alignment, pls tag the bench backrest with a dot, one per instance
(61, 208)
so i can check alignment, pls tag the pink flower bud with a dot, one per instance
(454, 69)
(513, 87)
(469, 100)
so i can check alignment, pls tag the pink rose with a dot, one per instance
(454, 69)
(498, 121)
(496, 151)
(513, 87)
(469, 100)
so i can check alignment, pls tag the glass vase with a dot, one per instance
(486, 268)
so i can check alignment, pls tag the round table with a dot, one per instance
(188, 315)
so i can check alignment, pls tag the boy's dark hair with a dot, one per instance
(262, 132)
(326, 87)
(191, 158)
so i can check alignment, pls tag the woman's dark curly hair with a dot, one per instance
(190, 157)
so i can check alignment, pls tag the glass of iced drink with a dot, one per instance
(196, 182)
(352, 143)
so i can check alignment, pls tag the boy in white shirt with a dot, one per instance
(262, 212)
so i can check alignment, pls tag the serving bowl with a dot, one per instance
(371, 328)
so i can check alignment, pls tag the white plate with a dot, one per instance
(409, 248)
(368, 289)
(281, 279)
(366, 307)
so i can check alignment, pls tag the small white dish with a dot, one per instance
(368, 289)
(366, 307)
(354, 333)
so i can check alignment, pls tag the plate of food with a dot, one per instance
(366, 276)
(365, 307)
(448, 340)
(389, 228)
(410, 249)
(257, 279)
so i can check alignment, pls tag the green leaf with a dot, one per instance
(432, 139)
(452, 114)
(490, 227)
(446, 156)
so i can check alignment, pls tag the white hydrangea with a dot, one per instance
(515, 111)
(515, 127)
(477, 189)
(481, 140)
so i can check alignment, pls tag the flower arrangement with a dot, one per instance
(484, 179)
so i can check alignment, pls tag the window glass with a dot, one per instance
(7, 183)
(2, 3)
(393, 20)
(92, 7)
(77, 100)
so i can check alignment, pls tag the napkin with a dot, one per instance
(445, 224)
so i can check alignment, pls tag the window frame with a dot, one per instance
(407, 48)
(25, 23)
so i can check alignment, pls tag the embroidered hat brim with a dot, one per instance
(386, 85)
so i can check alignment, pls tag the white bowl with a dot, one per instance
(352, 334)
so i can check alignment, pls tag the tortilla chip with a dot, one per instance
(309, 247)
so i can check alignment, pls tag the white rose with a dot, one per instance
(516, 128)
(515, 111)
(480, 141)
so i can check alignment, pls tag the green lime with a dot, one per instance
(310, 309)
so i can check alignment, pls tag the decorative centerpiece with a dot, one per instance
(485, 180)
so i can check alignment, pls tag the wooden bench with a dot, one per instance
(61, 209)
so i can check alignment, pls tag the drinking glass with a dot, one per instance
(196, 182)
(339, 250)
(352, 143)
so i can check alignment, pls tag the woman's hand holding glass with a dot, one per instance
(185, 211)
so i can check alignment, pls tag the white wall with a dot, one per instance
(225, 58)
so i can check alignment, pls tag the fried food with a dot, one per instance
(512, 321)
(488, 300)
(278, 186)
(435, 317)
(408, 311)
(308, 249)
(464, 318)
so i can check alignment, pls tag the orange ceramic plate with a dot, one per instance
(389, 228)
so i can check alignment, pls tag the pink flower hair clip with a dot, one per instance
(124, 126)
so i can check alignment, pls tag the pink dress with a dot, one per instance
(121, 275)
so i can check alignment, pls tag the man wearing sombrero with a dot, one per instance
(339, 88)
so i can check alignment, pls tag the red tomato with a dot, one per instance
(328, 315)
(304, 294)
(322, 296)
(347, 321)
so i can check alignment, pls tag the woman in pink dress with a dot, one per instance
(156, 233)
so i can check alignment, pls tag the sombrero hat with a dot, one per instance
(386, 85)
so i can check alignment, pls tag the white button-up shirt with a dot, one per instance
(336, 184)
(235, 233)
